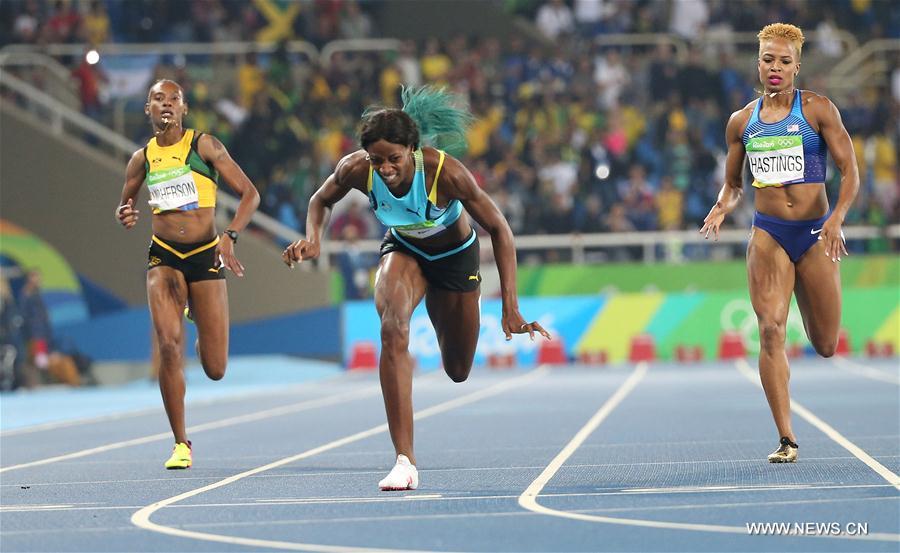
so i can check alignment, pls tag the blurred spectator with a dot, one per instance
(435, 64)
(827, 39)
(251, 79)
(354, 265)
(90, 79)
(11, 340)
(36, 321)
(555, 18)
(355, 23)
(611, 76)
(95, 27)
(352, 216)
(688, 18)
(27, 24)
(63, 24)
(51, 364)
(669, 205)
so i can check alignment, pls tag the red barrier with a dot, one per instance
(501, 360)
(552, 352)
(731, 345)
(363, 357)
(794, 350)
(593, 357)
(642, 348)
(843, 343)
(872, 349)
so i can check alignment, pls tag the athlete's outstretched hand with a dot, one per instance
(713, 221)
(300, 250)
(514, 323)
(225, 256)
(126, 214)
(833, 238)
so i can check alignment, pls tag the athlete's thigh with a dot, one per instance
(456, 317)
(818, 290)
(209, 306)
(770, 276)
(399, 286)
(167, 293)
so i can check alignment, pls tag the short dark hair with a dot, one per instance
(160, 81)
(390, 124)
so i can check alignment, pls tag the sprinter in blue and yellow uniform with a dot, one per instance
(430, 250)
(181, 168)
(796, 239)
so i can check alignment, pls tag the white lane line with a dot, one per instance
(488, 498)
(141, 518)
(332, 474)
(528, 499)
(826, 429)
(396, 518)
(31, 508)
(231, 421)
(249, 502)
(865, 371)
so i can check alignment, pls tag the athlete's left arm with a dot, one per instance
(841, 147)
(213, 151)
(457, 182)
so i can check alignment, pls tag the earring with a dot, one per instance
(368, 158)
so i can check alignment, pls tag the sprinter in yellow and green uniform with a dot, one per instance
(430, 251)
(796, 240)
(181, 169)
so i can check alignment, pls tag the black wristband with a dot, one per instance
(233, 234)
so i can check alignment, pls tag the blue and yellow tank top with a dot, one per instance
(177, 177)
(416, 214)
(784, 153)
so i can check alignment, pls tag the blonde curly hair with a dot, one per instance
(789, 32)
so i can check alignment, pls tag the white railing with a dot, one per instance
(845, 75)
(578, 244)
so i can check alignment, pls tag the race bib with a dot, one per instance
(173, 189)
(776, 160)
(420, 230)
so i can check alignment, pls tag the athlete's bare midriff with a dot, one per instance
(196, 225)
(796, 202)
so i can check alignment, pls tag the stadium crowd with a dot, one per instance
(571, 136)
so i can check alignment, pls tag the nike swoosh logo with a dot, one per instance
(754, 134)
(473, 277)
(214, 269)
(814, 231)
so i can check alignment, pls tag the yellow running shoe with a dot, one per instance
(181, 456)
(786, 452)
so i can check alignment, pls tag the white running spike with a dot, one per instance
(403, 476)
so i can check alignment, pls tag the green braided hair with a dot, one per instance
(443, 118)
(433, 115)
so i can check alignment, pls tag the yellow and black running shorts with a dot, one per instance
(195, 261)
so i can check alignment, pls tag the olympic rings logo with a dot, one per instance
(739, 315)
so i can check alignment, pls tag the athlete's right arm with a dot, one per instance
(733, 189)
(126, 214)
(350, 172)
